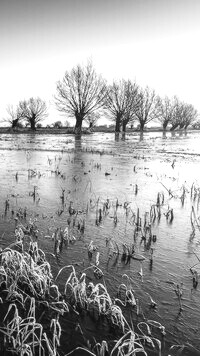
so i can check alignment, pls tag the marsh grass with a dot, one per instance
(25, 274)
(26, 279)
(25, 336)
(126, 293)
(22, 336)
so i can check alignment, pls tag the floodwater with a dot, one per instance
(127, 173)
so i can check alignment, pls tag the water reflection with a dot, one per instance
(123, 136)
(77, 143)
(164, 135)
(117, 136)
(141, 136)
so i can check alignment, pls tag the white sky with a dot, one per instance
(155, 42)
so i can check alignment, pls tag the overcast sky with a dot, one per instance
(155, 42)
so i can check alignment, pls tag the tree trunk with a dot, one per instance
(14, 123)
(182, 126)
(78, 126)
(165, 125)
(123, 135)
(174, 127)
(32, 122)
(142, 125)
(117, 123)
(116, 136)
(124, 123)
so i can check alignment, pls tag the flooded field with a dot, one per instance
(132, 204)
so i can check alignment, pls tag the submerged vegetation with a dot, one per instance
(35, 306)
(30, 294)
(80, 270)
(36, 303)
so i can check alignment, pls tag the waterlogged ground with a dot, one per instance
(46, 174)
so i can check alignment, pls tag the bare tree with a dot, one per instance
(177, 114)
(33, 111)
(189, 115)
(146, 110)
(133, 101)
(92, 119)
(14, 116)
(120, 102)
(80, 93)
(165, 109)
(116, 102)
(183, 115)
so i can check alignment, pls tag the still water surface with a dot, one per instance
(130, 171)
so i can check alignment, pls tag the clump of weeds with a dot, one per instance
(99, 216)
(195, 276)
(71, 209)
(34, 194)
(169, 215)
(126, 293)
(91, 249)
(62, 238)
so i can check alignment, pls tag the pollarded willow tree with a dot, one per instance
(33, 111)
(14, 116)
(133, 101)
(191, 116)
(165, 110)
(146, 109)
(92, 119)
(188, 115)
(120, 102)
(81, 92)
(183, 115)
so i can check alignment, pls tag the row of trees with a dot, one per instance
(84, 96)
(31, 112)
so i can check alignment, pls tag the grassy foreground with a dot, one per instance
(35, 312)
(38, 317)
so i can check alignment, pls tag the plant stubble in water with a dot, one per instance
(68, 183)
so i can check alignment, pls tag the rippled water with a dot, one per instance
(97, 167)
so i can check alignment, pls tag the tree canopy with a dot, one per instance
(80, 93)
